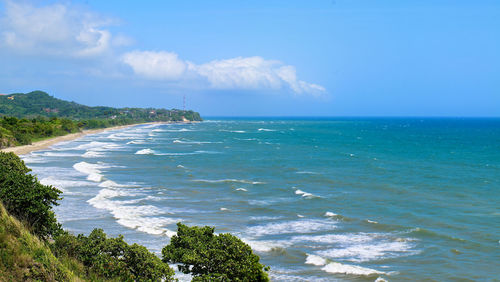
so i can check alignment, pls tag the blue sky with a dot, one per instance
(263, 58)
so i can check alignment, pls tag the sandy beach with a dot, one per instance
(44, 144)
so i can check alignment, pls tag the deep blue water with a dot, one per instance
(317, 199)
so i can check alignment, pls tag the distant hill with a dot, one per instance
(39, 103)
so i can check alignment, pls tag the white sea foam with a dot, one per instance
(265, 129)
(330, 214)
(158, 130)
(144, 218)
(300, 216)
(315, 260)
(33, 159)
(241, 189)
(64, 183)
(339, 268)
(335, 267)
(93, 154)
(92, 144)
(224, 209)
(360, 247)
(380, 279)
(229, 181)
(234, 131)
(264, 246)
(193, 142)
(306, 172)
(145, 152)
(288, 227)
(305, 194)
(92, 170)
(371, 221)
(136, 142)
(181, 166)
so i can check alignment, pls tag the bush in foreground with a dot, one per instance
(210, 257)
(26, 198)
(112, 258)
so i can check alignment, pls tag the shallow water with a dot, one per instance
(317, 199)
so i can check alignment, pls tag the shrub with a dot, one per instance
(211, 257)
(26, 198)
(112, 258)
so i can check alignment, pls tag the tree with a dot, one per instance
(210, 257)
(112, 258)
(26, 198)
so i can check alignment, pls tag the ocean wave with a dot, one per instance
(194, 142)
(265, 246)
(233, 131)
(265, 129)
(140, 141)
(34, 159)
(90, 145)
(306, 194)
(144, 218)
(290, 227)
(93, 154)
(229, 181)
(241, 189)
(92, 170)
(145, 152)
(307, 172)
(339, 268)
(361, 247)
(64, 183)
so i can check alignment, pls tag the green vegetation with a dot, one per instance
(39, 103)
(33, 247)
(26, 198)
(36, 115)
(211, 257)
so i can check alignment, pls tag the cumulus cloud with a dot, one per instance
(55, 29)
(156, 65)
(236, 73)
(65, 31)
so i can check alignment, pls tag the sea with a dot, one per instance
(318, 199)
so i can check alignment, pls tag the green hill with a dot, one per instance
(39, 103)
(25, 118)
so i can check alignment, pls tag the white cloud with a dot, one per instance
(156, 65)
(55, 29)
(237, 73)
(65, 31)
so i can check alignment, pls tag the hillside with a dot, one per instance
(39, 103)
(25, 118)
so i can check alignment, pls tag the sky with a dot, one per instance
(259, 58)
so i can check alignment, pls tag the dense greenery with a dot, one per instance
(39, 103)
(26, 198)
(112, 257)
(36, 115)
(61, 256)
(211, 257)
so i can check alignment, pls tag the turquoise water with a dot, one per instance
(317, 199)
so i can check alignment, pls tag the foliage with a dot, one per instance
(112, 258)
(211, 257)
(26, 198)
(23, 257)
(37, 115)
(39, 103)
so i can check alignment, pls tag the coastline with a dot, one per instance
(44, 144)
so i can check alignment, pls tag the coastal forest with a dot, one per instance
(25, 118)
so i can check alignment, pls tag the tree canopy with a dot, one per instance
(211, 257)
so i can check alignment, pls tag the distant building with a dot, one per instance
(10, 97)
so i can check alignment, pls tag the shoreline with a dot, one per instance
(44, 144)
